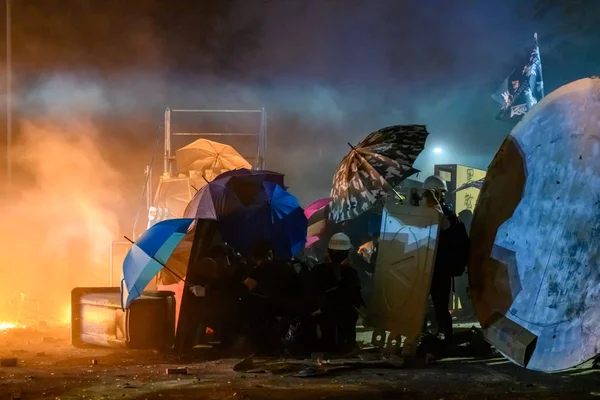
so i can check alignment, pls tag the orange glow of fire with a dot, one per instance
(66, 317)
(64, 202)
(4, 326)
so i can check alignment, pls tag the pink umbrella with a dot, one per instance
(317, 213)
(311, 240)
(316, 206)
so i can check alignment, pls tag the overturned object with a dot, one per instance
(536, 233)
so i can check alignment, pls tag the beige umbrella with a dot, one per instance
(205, 154)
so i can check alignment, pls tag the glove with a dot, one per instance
(199, 291)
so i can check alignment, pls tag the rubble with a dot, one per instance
(177, 371)
(8, 362)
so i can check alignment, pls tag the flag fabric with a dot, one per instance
(522, 89)
(478, 184)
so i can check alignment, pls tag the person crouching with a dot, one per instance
(338, 290)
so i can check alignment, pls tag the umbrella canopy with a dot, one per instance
(150, 254)
(261, 175)
(205, 154)
(317, 207)
(275, 216)
(228, 192)
(176, 267)
(317, 213)
(289, 224)
(177, 264)
(311, 240)
(252, 207)
(373, 168)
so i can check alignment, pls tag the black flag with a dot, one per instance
(522, 89)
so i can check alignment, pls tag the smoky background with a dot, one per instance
(91, 81)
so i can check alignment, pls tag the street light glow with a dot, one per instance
(437, 150)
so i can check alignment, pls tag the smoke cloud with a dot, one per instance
(63, 213)
(90, 98)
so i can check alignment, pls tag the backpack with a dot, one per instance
(455, 247)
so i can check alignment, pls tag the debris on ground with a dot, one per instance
(49, 339)
(317, 365)
(8, 362)
(177, 371)
(310, 372)
(244, 365)
(430, 359)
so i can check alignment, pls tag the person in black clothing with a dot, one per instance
(273, 286)
(223, 293)
(194, 310)
(441, 283)
(338, 291)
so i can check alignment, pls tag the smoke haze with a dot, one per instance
(91, 85)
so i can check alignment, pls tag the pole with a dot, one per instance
(8, 99)
(167, 152)
(535, 37)
(111, 264)
(148, 186)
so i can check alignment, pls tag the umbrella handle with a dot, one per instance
(122, 305)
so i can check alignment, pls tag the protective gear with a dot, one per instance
(436, 183)
(199, 291)
(339, 241)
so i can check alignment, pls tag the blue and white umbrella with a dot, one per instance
(150, 253)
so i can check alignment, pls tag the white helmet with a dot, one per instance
(436, 183)
(339, 241)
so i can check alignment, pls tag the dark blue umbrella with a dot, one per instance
(230, 191)
(261, 175)
(257, 209)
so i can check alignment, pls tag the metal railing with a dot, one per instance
(261, 134)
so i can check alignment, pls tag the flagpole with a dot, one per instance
(535, 36)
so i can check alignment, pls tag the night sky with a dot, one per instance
(327, 71)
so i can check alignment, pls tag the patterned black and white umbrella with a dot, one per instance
(373, 168)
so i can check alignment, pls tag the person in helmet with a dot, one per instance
(338, 291)
(434, 194)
